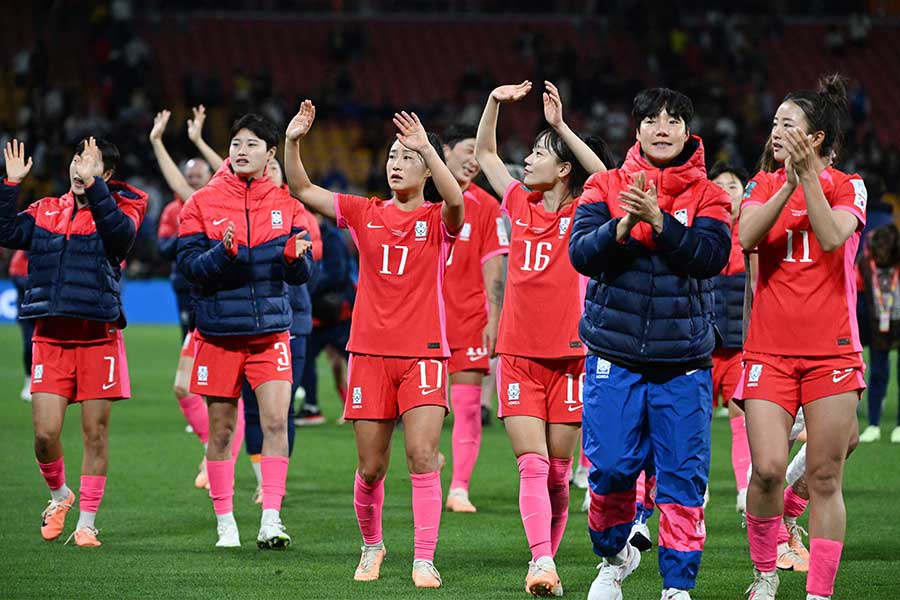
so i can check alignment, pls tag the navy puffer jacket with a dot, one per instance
(728, 287)
(649, 302)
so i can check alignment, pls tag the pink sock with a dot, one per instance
(194, 410)
(221, 485)
(650, 492)
(794, 505)
(783, 536)
(740, 452)
(558, 486)
(640, 487)
(762, 533)
(54, 473)
(274, 478)
(534, 503)
(237, 439)
(91, 492)
(368, 500)
(824, 560)
(427, 501)
(466, 402)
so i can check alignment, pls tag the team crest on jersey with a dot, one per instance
(749, 189)
(754, 375)
(512, 392)
(466, 232)
(421, 230)
(202, 375)
(564, 225)
(357, 397)
(38, 373)
(502, 236)
(862, 195)
(277, 223)
(681, 216)
(603, 368)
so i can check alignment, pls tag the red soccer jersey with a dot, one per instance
(544, 294)
(168, 219)
(399, 309)
(482, 237)
(805, 299)
(735, 264)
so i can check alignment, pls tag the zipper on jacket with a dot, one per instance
(250, 251)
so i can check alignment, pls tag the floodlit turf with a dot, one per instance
(158, 531)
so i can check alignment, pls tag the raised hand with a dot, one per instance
(302, 122)
(89, 163)
(411, 131)
(552, 105)
(195, 125)
(511, 93)
(16, 165)
(159, 125)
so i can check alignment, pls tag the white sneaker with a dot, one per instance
(586, 503)
(608, 583)
(815, 597)
(741, 504)
(675, 594)
(272, 535)
(25, 394)
(580, 479)
(872, 433)
(228, 535)
(640, 536)
(895, 435)
(721, 412)
(764, 586)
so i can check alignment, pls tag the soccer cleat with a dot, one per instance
(458, 501)
(640, 536)
(586, 503)
(796, 543)
(201, 481)
(817, 597)
(789, 560)
(25, 394)
(369, 567)
(764, 586)
(721, 412)
(895, 435)
(272, 536)
(580, 479)
(542, 579)
(608, 583)
(228, 535)
(53, 519)
(675, 594)
(85, 537)
(309, 416)
(741, 504)
(870, 434)
(424, 575)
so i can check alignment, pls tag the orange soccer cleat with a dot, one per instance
(53, 519)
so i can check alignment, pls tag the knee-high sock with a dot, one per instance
(368, 501)
(740, 452)
(91, 491)
(221, 485)
(794, 506)
(534, 503)
(466, 402)
(558, 487)
(762, 534)
(194, 410)
(426, 504)
(274, 478)
(824, 560)
(240, 428)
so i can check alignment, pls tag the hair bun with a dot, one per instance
(833, 88)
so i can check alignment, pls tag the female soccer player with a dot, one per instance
(803, 346)
(76, 244)
(541, 366)
(240, 245)
(398, 341)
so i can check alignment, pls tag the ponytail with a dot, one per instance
(825, 111)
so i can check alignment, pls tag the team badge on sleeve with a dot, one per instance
(861, 196)
(681, 216)
(749, 189)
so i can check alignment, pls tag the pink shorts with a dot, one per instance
(549, 389)
(385, 387)
(81, 372)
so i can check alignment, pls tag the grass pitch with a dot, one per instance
(158, 532)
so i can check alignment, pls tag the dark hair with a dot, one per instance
(884, 246)
(563, 153)
(431, 192)
(108, 152)
(652, 101)
(259, 125)
(459, 132)
(723, 166)
(824, 110)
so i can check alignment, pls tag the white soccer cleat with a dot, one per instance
(741, 504)
(675, 594)
(608, 583)
(895, 435)
(272, 536)
(228, 535)
(870, 434)
(764, 586)
(640, 536)
(721, 412)
(580, 478)
(25, 394)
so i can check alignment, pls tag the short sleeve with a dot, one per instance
(851, 196)
(515, 196)
(494, 237)
(757, 191)
(349, 210)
